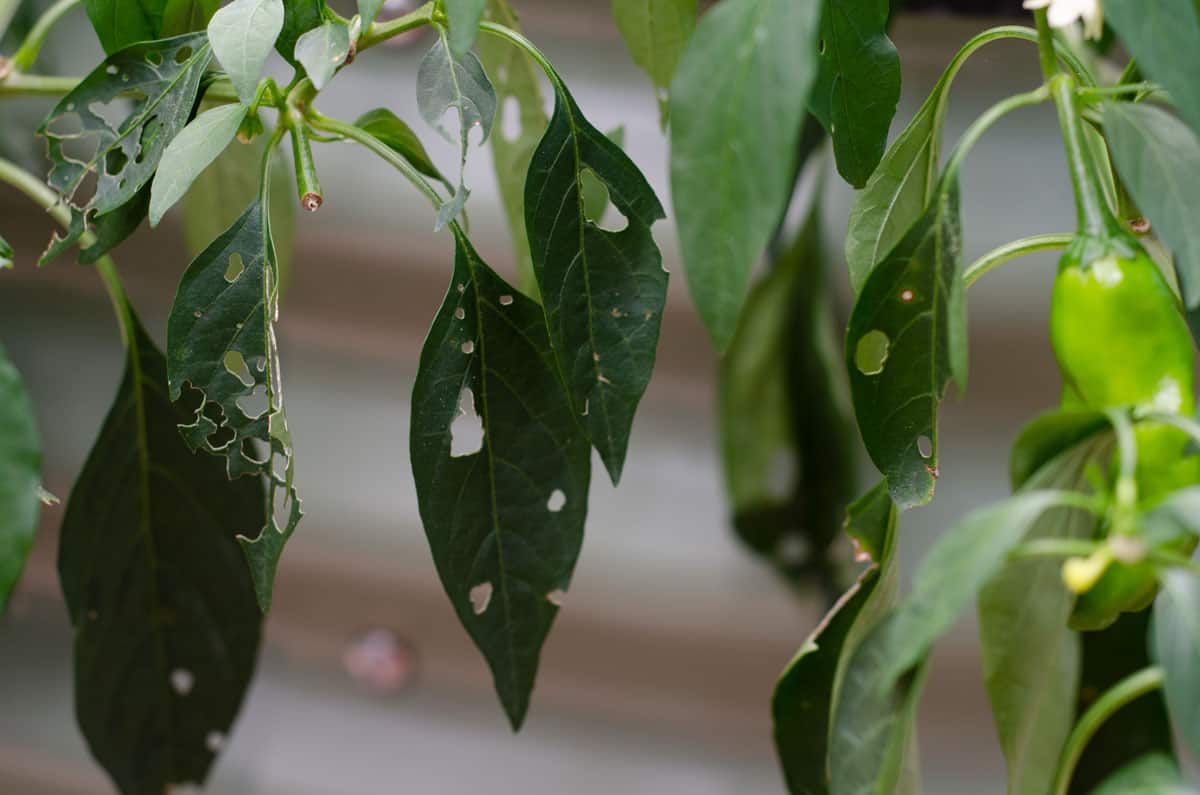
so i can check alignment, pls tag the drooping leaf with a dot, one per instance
(517, 77)
(159, 81)
(1158, 158)
(656, 33)
(603, 291)
(502, 470)
(322, 50)
(1175, 645)
(733, 143)
(1030, 657)
(906, 340)
(464, 17)
(858, 84)
(187, 16)
(1162, 38)
(299, 17)
(242, 34)
(221, 342)
(1152, 774)
(119, 23)
(400, 138)
(6, 254)
(166, 627)
(189, 153)
(804, 698)
(368, 10)
(20, 477)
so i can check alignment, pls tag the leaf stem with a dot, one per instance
(515, 37)
(29, 49)
(23, 85)
(379, 32)
(1045, 38)
(1127, 690)
(986, 120)
(1009, 251)
(1100, 92)
(1054, 548)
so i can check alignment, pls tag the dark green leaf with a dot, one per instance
(322, 50)
(858, 84)
(242, 34)
(1045, 439)
(1152, 774)
(1164, 38)
(1158, 158)
(166, 627)
(1175, 645)
(399, 137)
(6, 254)
(737, 101)
(656, 33)
(516, 77)
(186, 16)
(120, 23)
(804, 697)
(464, 17)
(502, 470)
(159, 81)
(906, 340)
(109, 230)
(603, 291)
(221, 342)
(299, 17)
(190, 153)
(20, 477)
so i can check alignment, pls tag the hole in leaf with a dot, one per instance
(256, 403)
(557, 597)
(557, 500)
(182, 681)
(279, 466)
(235, 364)
(252, 451)
(871, 352)
(114, 162)
(907, 295)
(236, 266)
(597, 206)
(149, 135)
(924, 446)
(111, 69)
(821, 47)
(182, 54)
(154, 58)
(460, 314)
(468, 347)
(466, 432)
(281, 501)
(480, 596)
(506, 300)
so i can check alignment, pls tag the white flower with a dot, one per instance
(1063, 13)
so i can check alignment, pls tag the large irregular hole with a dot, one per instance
(148, 136)
(253, 450)
(256, 403)
(466, 432)
(236, 266)
(480, 596)
(235, 364)
(597, 206)
(871, 352)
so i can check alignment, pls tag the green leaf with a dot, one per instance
(1175, 645)
(221, 342)
(6, 254)
(1163, 38)
(155, 85)
(733, 143)
(368, 10)
(391, 130)
(322, 50)
(1152, 774)
(518, 78)
(603, 291)
(906, 340)
(189, 153)
(242, 34)
(1030, 658)
(119, 23)
(858, 84)
(805, 696)
(464, 17)
(109, 230)
(166, 628)
(20, 477)
(502, 470)
(1158, 158)
(299, 17)
(595, 195)
(656, 33)
(186, 16)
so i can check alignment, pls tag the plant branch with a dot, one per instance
(1045, 38)
(986, 120)
(379, 32)
(1053, 548)
(23, 85)
(1100, 92)
(1017, 248)
(32, 46)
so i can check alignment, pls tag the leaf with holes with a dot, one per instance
(159, 80)
(906, 340)
(242, 34)
(119, 23)
(221, 341)
(806, 693)
(186, 16)
(734, 133)
(503, 513)
(1162, 37)
(391, 130)
(656, 33)
(1158, 158)
(519, 94)
(20, 477)
(858, 84)
(463, 17)
(166, 627)
(322, 50)
(1175, 645)
(189, 153)
(603, 291)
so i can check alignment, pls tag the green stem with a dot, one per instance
(1094, 217)
(307, 185)
(1100, 92)
(23, 85)
(1127, 690)
(525, 44)
(379, 32)
(986, 120)
(1054, 548)
(28, 52)
(1046, 45)
(1009, 251)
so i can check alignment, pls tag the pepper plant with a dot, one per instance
(175, 527)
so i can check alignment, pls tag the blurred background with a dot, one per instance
(658, 674)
